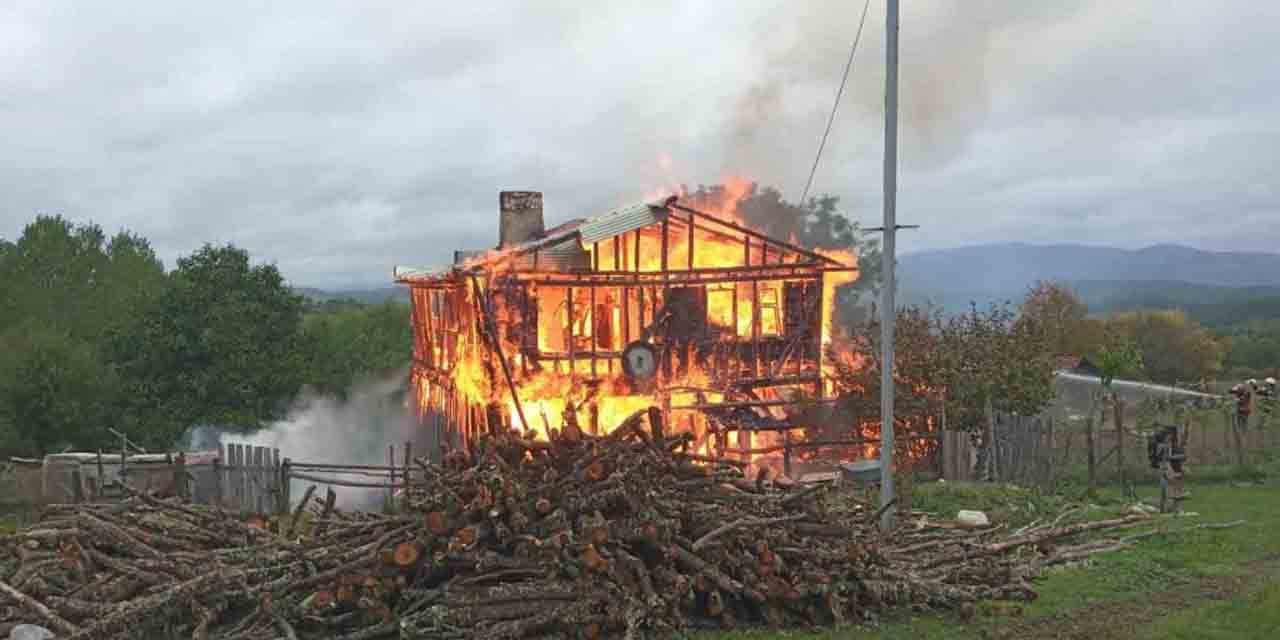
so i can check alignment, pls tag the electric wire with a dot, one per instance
(834, 107)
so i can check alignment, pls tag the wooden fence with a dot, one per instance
(251, 479)
(1046, 449)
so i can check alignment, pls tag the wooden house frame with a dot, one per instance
(732, 342)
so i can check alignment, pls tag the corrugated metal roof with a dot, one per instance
(620, 221)
(567, 255)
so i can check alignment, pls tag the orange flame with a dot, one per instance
(596, 395)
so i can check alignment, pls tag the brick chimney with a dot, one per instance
(521, 217)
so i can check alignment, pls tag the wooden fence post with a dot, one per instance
(259, 493)
(391, 464)
(217, 477)
(98, 492)
(277, 487)
(408, 465)
(237, 474)
(286, 499)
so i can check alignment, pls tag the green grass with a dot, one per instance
(1257, 615)
(1125, 585)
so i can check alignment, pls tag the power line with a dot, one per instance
(839, 93)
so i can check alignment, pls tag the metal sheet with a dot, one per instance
(620, 221)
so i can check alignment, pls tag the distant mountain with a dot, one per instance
(952, 278)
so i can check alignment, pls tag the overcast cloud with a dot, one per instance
(339, 139)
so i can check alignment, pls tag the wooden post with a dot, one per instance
(626, 316)
(286, 499)
(1118, 411)
(218, 479)
(691, 232)
(595, 322)
(242, 502)
(98, 492)
(568, 300)
(277, 486)
(1050, 479)
(232, 494)
(1090, 451)
(259, 491)
(408, 465)
(391, 464)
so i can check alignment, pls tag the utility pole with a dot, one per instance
(888, 310)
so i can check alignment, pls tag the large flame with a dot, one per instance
(595, 396)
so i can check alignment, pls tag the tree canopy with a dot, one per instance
(95, 334)
(219, 345)
(1174, 348)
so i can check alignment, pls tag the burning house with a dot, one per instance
(673, 304)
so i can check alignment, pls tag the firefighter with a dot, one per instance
(1244, 397)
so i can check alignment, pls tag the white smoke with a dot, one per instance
(355, 430)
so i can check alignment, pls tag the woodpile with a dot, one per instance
(578, 537)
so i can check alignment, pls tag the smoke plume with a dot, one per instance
(949, 53)
(356, 429)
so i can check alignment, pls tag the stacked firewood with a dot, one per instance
(574, 537)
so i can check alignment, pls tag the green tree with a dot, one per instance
(340, 347)
(54, 390)
(1118, 358)
(1253, 349)
(993, 361)
(219, 345)
(1174, 348)
(69, 276)
(1062, 316)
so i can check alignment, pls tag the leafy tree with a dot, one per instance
(1174, 347)
(69, 276)
(219, 345)
(54, 390)
(916, 360)
(1119, 357)
(993, 362)
(1062, 316)
(49, 275)
(1253, 349)
(340, 346)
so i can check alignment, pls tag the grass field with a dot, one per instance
(1183, 583)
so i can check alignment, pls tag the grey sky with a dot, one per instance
(338, 139)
